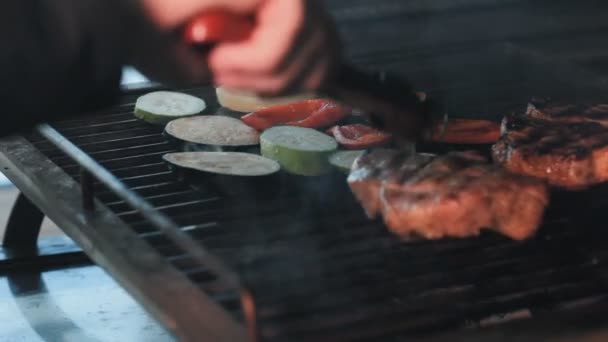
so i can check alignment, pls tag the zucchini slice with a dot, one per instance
(224, 163)
(232, 174)
(301, 151)
(161, 107)
(246, 103)
(213, 133)
(344, 160)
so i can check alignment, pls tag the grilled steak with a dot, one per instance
(455, 195)
(572, 155)
(547, 110)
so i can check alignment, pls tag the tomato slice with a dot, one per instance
(359, 136)
(467, 131)
(218, 26)
(316, 113)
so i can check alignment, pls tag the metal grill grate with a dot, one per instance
(321, 271)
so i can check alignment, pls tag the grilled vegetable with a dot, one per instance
(214, 133)
(344, 160)
(315, 113)
(247, 103)
(218, 26)
(225, 163)
(302, 151)
(359, 136)
(162, 107)
(230, 173)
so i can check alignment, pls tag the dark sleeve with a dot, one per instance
(60, 57)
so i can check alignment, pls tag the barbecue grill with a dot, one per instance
(309, 266)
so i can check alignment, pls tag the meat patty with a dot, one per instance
(572, 155)
(456, 195)
(380, 168)
(567, 112)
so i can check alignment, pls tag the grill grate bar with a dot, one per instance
(432, 287)
(93, 138)
(139, 170)
(108, 155)
(102, 127)
(95, 120)
(123, 162)
(167, 208)
(100, 146)
(442, 317)
(144, 191)
(158, 200)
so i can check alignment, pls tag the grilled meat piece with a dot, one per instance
(552, 111)
(379, 168)
(455, 195)
(572, 155)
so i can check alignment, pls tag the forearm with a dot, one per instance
(59, 57)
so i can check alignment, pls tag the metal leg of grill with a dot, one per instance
(22, 250)
(23, 226)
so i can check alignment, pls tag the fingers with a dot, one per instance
(298, 72)
(276, 86)
(278, 25)
(292, 50)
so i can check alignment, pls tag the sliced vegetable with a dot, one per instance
(315, 113)
(225, 163)
(218, 26)
(213, 132)
(229, 173)
(467, 131)
(302, 151)
(344, 160)
(247, 103)
(162, 107)
(359, 136)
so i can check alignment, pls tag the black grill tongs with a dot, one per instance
(389, 101)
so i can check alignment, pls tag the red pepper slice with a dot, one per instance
(316, 113)
(467, 131)
(359, 136)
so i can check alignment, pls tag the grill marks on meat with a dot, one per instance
(381, 168)
(456, 195)
(552, 111)
(570, 154)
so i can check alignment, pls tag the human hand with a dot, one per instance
(293, 47)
